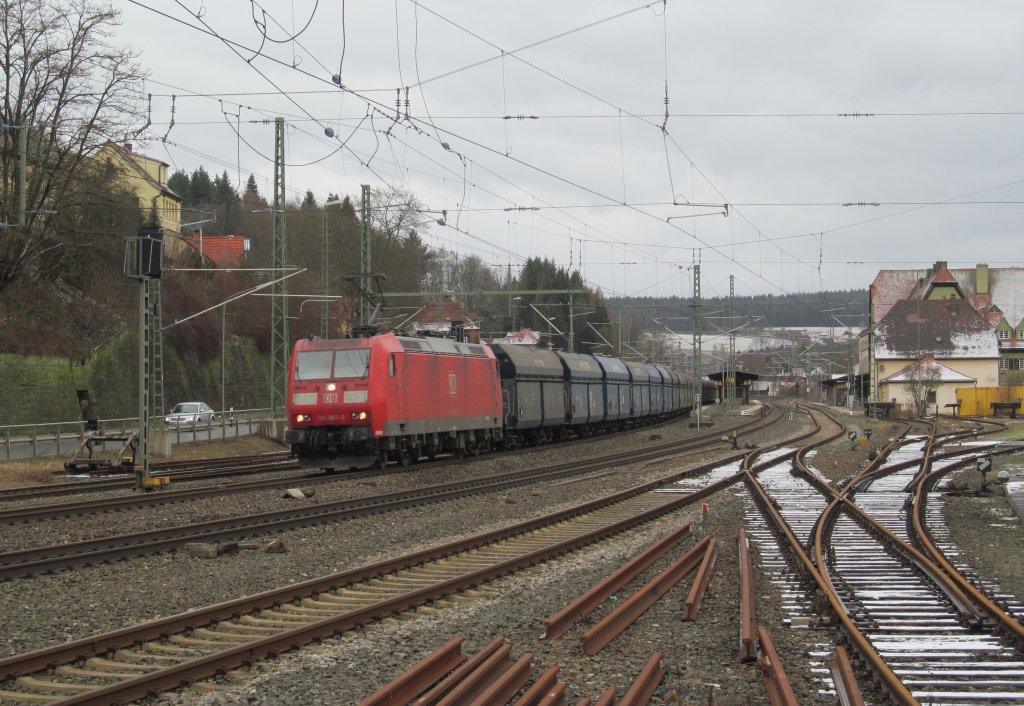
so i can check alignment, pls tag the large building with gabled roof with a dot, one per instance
(940, 328)
(146, 176)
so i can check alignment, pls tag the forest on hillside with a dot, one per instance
(838, 308)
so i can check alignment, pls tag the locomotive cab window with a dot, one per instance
(353, 363)
(313, 365)
(391, 365)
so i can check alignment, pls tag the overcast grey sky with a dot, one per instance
(785, 110)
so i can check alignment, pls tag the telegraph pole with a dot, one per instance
(730, 383)
(873, 389)
(279, 348)
(365, 259)
(145, 266)
(572, 329)
(157, 352)
(324, 276)
(697, 344)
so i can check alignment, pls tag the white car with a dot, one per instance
(190, 413)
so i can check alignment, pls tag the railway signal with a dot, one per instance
(984, 466)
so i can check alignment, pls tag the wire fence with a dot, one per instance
(26, 441)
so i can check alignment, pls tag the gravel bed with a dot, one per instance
(987, 529)
(700, 656)
(344, 669)
(105, 597)
(15, 503)
(77, 528)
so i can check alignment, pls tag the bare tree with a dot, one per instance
(923, 381)
(395, 213)
(67, 90)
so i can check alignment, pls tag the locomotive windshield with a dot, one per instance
(316, 365)
(352, 363)
(313, 365)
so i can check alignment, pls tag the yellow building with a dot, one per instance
(930, 338)
(148, 178)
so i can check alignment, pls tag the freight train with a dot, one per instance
(362, 402)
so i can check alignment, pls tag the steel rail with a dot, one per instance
(418, 679)
(809, 569)
(748, 619)
(546, 691)
(231, 657)
(237, 654)
(29, 562)
(961, 599)
(700, 583)
(441, 689)
(224, 466)
(61, 654)
(587, 603)
(472, 687)
(780, 691)
(842, 676)
(205, 469)
(859, 640)
(499, 688)
(59, 510)
(164, 497)
(821, 578)
(919, 530)
(646, 683)
(615, 623)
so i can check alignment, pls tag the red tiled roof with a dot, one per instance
(444, 312)
(221, 250)
(943, 277)
(1005, 289)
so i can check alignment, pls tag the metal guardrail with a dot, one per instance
(56, 439)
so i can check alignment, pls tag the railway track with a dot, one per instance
(128, 664)
(216, 469)
(181, 471)
(927, 640)
(37, 560)
(938, 531)
(966, 664)
(936, 648)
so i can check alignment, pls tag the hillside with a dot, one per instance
(830, 308)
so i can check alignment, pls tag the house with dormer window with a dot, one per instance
(995, 294)
(935, 331)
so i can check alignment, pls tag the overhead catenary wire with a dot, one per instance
(623, 200)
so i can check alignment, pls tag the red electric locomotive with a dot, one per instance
(363, 401)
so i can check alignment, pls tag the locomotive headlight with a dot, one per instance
(359, 415)
(331, 387)
(302, 418)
